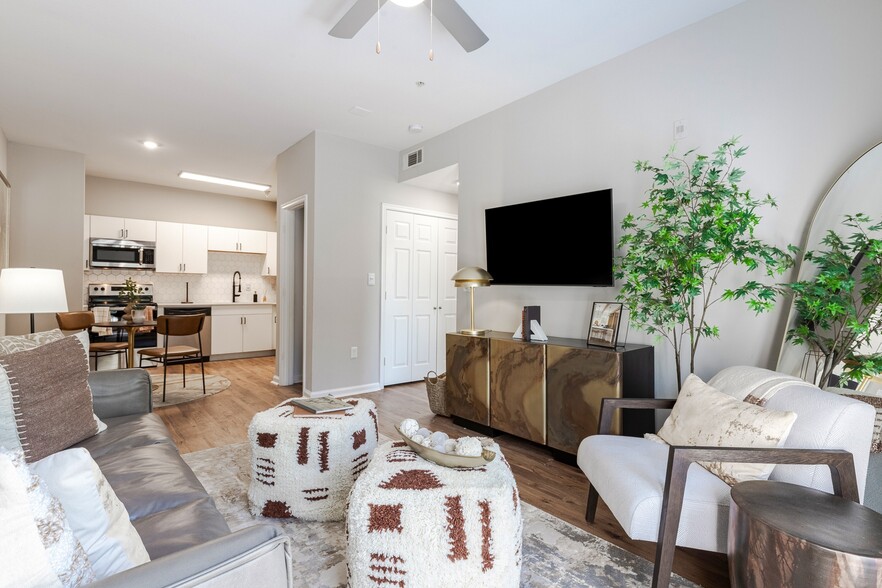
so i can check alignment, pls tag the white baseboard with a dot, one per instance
(295, 379)
(363, 389)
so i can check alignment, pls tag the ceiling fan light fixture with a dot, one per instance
(407, 3)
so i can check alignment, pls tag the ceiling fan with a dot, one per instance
(448, 12)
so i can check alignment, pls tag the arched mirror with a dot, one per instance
(857, 190)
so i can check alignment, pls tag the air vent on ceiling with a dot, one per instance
(413, 158)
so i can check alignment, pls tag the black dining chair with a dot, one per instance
(177, 326)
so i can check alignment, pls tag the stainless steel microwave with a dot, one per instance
(122, 253)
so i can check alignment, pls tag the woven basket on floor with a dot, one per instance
(436, 387)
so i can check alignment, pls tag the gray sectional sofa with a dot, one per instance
(187, 539)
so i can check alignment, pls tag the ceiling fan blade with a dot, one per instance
(450, 14)
(355, 18)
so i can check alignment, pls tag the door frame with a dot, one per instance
(285, 375)
(383, 227)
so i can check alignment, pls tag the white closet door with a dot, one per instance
(424, 336)
(447, 266)
(398, 292)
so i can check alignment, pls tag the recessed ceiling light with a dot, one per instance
(223, 181)
(415, 128)
(148, 144)
(407, 3)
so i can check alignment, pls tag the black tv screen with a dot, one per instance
(566, 241)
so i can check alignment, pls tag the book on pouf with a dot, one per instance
(321, 404)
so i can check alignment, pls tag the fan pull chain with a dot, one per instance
(431, 30)
(378, 27)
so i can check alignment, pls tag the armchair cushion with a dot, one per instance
(629, 473)
(704, 416)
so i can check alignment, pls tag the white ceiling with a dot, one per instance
(226, 85)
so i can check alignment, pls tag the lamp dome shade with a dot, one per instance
(32, 290)
(472, 276)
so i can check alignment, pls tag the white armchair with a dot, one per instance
(646, 487)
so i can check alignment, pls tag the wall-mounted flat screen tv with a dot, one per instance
(566, 241)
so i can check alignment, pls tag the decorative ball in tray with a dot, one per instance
(437, 447)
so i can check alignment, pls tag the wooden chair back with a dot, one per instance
(75, 321)
(179, 325)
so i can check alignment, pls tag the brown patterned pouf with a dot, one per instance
(303, 464)
(412, 522)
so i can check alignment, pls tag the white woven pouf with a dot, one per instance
(303, 464)
(414, 523)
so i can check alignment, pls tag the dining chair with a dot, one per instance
(82, 320)
(176, 326)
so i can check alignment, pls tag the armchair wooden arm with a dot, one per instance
(841, 464)
(608, 407)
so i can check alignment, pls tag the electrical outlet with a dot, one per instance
(248, 287)
(680, 130)
(353, 353)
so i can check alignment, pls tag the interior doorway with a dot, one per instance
(291, 355)
(419, 299)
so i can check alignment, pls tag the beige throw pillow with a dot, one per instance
(51, 398)
(704, 416)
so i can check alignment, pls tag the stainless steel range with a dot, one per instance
(108, 295)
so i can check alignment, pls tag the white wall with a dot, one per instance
(798, 79)
(352, 180)
(121, 198)
(46, 229)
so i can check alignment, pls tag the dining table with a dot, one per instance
(131, 328)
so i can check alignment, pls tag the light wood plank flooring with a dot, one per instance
(554, 487)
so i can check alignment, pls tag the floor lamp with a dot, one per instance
(471, 278)
(31, 290)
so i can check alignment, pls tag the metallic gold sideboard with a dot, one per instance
(546, 391)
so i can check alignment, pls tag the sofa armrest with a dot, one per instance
(120, 392)
(256, 556)
(608, 407)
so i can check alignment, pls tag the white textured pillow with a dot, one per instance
(67, 558)
(23, 560)
(98, 518)
(704, 416)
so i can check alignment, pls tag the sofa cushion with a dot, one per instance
(704, 416)
(98, 518)
(187, 525)
(125, 432)
(51, 398)
(634, 493)
(150, 479)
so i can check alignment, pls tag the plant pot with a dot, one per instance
(138, 315)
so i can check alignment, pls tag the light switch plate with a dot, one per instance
(372, 279)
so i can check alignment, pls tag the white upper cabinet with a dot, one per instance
(271, 265)
(181, 248)
(236, 240)
(132, 229)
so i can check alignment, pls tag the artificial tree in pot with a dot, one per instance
(131, 293)
(840, 309)
(697, 223)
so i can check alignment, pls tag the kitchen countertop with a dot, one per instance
(180, 305)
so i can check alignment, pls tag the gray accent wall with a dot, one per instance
(795, 78)
(107, 197)
(46, 228)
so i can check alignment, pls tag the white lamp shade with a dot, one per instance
(26, 290)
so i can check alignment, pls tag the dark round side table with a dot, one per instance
(784, 535)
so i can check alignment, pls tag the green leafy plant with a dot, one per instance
(131, 293)
(840, 309)
(697, 222)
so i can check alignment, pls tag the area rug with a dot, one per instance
(555, 552)
(176, 393)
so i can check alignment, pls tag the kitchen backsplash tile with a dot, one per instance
(214, 287)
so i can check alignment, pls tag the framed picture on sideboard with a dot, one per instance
(604, 327)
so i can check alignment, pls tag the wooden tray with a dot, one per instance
(448, 460)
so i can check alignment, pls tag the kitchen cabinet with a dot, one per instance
(271, 264)
(236, 240)
(131, 229)
(181, 248)
(241, 329)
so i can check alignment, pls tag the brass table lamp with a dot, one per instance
(471, 278)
